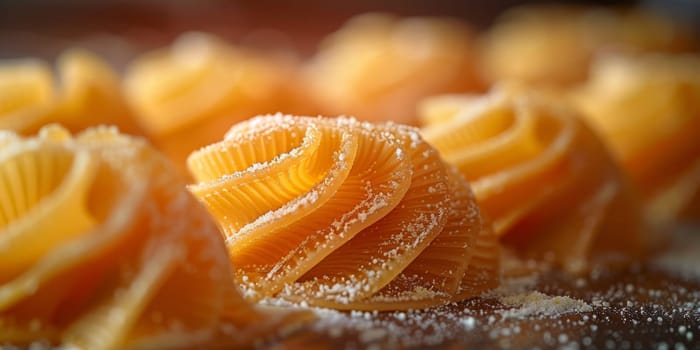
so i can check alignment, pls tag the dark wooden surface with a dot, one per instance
(651, 305)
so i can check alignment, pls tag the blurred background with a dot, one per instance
(121, 29)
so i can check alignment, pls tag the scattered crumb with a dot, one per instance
(536, 303)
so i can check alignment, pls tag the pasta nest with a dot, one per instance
(646, 110)
(84, 91)
(547, 182)
(343, 214)
(100, 243)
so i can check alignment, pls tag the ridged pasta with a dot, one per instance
(377, 67)
(187, 95)
(343, 214)
(101, 247)
(647, 110)
(84, 92)
(554, 45)
(546, 181)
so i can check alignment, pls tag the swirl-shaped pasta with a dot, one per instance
(95, 252)
(554, 45)
(186, 95)
(377, 67)
(544, 179)
(647, 109)
(89, 94)
(342, 214)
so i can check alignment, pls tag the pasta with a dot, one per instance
(187, 95)
(343, 214)
(554, 45)
(545, 180)
(647, 111)
(88, 94)
(377, 66)
(95, 252)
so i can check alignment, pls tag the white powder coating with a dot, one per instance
(536, 303)
(417, 293)
(258, 168)
(468, 322)
(521, 315)
(426, 221)
(7, 137)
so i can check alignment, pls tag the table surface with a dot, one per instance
(650, 305)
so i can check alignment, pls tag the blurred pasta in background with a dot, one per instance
(545, 179)
(187, 95)
(377, 67)
(647, 109)
(83, 91)
(554, 45)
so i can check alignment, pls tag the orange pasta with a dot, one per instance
(101, 247)
(377, 67)
(187, 95)
(84, 92)
(647, 109)
(342, 214)
(547, 182)
(554, 45)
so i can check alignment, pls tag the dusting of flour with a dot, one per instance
(536, 303)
